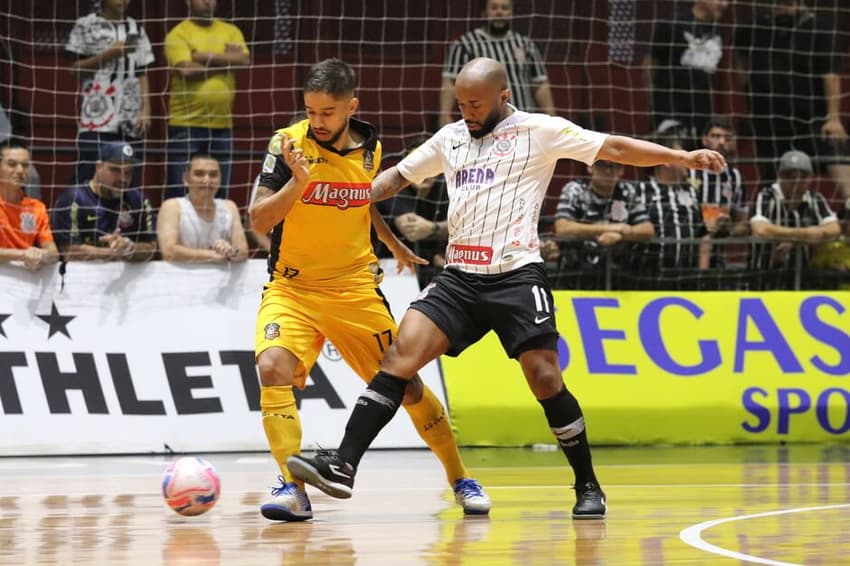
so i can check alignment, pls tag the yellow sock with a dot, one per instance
(282, 425)
(432, 423)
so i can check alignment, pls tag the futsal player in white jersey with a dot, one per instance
(498, 162)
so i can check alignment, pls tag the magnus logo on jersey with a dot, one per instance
(340, 195)
(472, 255)
(474, 176)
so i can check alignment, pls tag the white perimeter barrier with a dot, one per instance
(156, 356)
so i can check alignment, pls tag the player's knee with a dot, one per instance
(413, 393)
(543, 377)
(407, 355)
(397, 362)
(546, 384)
(273, 371)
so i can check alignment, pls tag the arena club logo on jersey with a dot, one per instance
(471, 255)
(340, 195)
(474, 177)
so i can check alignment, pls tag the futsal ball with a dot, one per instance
(190, 486)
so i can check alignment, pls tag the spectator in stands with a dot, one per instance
(793, 63)
(527, 79)
(106, 219)
(789, 211)
(25, 234)
(203, 53)
(13, 115)
(109, 52)
(674, 209)
(724, 207)
(199, 227)
(602, 213)
(681, 68)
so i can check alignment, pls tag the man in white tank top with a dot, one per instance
(498, 162)
(199, 227)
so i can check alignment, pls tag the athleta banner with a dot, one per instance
(158, 356)
(673, 368)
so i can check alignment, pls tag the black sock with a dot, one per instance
(374, 409)
(567, 423)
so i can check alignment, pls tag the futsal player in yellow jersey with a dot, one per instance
(313, 196)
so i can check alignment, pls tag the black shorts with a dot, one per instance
(517, 305)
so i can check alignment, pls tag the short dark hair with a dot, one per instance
(13, 143)
(200, 155)
(331, 76)
(718, 122)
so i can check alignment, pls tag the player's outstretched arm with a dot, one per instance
(387, 184)
(640, 153)
(402, 254)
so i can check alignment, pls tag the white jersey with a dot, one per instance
(195, 232)
(496, 185)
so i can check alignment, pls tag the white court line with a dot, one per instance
(160, 462)
(640, 466)
(693, 535)
(15, 466)
(253, 460)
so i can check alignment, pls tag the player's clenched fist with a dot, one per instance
(705, 159)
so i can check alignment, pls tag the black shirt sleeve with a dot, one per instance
(275, 173)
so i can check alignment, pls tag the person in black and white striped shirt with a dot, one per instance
(674, 208)
(527, 79)
(498, 162)
(789, 211)
(722, 195)
(602, 212)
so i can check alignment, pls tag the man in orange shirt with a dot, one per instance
(25, 234)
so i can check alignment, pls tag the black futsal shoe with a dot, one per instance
(590, 502)
(325, 471)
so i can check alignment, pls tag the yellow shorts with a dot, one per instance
(357, 321)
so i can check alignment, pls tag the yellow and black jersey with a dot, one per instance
(325, 239)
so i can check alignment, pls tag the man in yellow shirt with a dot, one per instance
(313, 196)
(202, 52)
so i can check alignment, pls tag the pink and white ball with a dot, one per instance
(190, 486)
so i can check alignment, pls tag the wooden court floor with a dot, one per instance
(740, 505)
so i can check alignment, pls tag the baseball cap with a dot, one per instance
(795, 161)
(117, 152)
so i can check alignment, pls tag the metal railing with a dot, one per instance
(634, 266)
